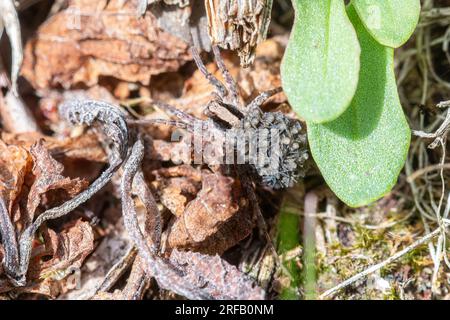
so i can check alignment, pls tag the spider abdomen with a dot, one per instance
(281, 149)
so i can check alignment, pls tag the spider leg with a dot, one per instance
(171, 110)
(230, 84)
(186, 120)
(222, 91)
(263, 96)
(172, 123)
(257, 215)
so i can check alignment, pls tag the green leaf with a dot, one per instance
(390, 22)
(320, 67)
(361, 153)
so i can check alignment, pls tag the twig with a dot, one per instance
(441, 132)
(8, 15)
(426, 170)
(165, 273)
(382, 264)
(117, 271)
(15, 115)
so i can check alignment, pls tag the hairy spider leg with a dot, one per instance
(263, 96)
(186, 121)
(221, 90)
(172, 123)
(171, 110)
(230, 84)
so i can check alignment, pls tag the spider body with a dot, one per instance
(228, 114)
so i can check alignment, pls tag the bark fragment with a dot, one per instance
(91, 39)
(239, 25)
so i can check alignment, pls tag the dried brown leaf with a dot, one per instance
(83, 147)
(68, 248)
(216, 277)
(15, 162)
(215, 220)
(90, 39)
(48, 173)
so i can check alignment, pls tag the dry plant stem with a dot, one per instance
(137, 281)
(426, 170)
(117, 271)
(441, 132)
(310, 243)
(441, 243)
(114, 126)
(382, 264)
(166, 275)
(153, 221)
(8, 15)
(15, 116)
(9, 241)
(440, 136)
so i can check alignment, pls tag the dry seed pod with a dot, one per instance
(238, 25)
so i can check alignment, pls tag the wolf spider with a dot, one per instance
(226, 112)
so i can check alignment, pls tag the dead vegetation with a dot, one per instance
(305, 243)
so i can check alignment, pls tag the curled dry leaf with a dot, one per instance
(215, 220)
(69, 248)
(49, 176)
(83, 147)
(90, 39)
(239, 25)
(14, 113)
(15, 162)
(177, 185)
(215, 276)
